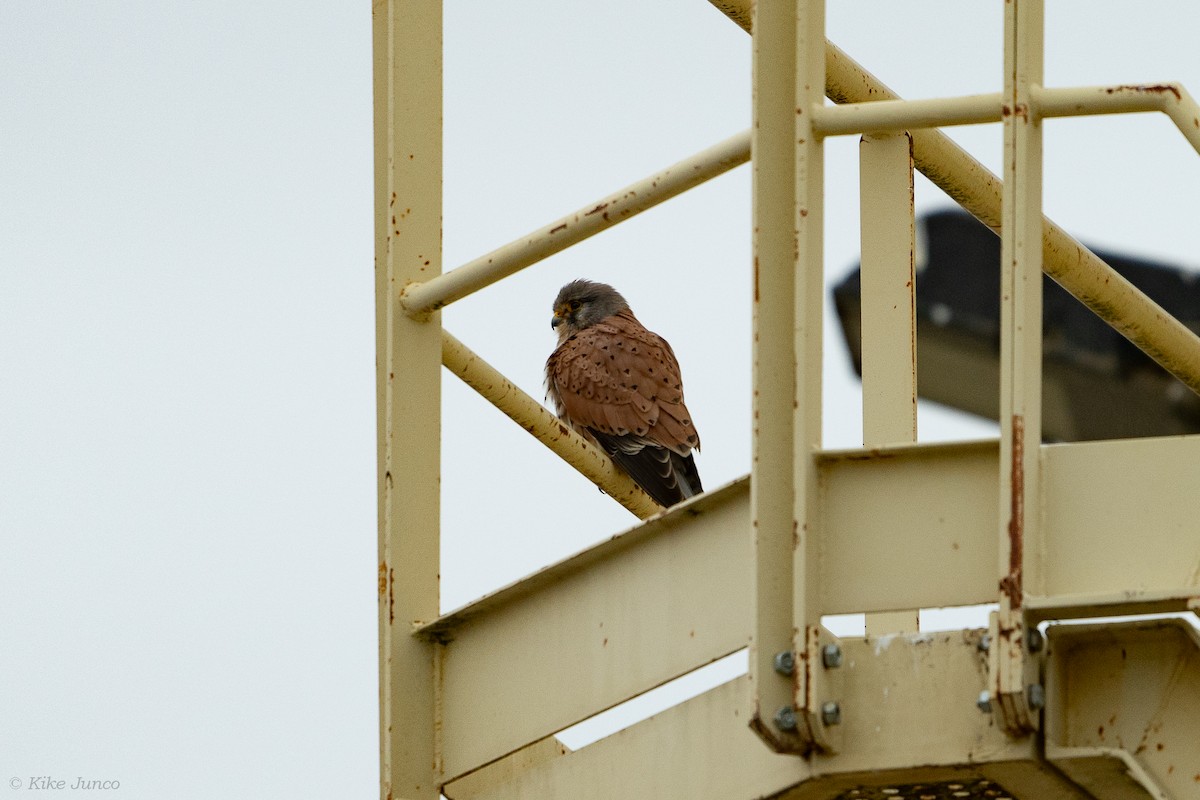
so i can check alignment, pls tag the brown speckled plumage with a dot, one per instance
(618, 384)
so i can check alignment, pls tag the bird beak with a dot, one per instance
(555, 321)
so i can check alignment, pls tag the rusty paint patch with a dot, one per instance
(801, 691)
(597, 209)
(391, 587)
(558, 228)
(761, 728)
(1010, 585)
(383, 570)
(1157, 88)
(870, 455)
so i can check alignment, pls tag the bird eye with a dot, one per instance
(574, 305)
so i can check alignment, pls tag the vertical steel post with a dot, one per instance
(789, 76)
(889, 319)
(407, 42)
(809, 304)
(788, 79)
(1012, 668)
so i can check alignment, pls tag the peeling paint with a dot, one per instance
(1158, 88)
(882, 643)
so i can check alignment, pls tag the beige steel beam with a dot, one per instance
(701, 749)
(884, 116)
(889, 318)
(545, 427)
(1019, 531)
(786, 179)
(1123, 707)
(498, 777)
(545, 637)
(1169, 98)
(424, 296)
(947, 492)
(813, 686)
(891, 116)
(698, 749)
(577, 638)
(975, 188)
(407, 41)
(774, 373)
(889, 330)
(1122, 515)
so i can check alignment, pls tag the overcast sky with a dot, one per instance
(187, 454)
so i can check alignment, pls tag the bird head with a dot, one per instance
(581, 304)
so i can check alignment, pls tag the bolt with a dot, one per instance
(785, 663)
(831, 656)
(985, 643)
(984, 702)
(831, 713)
(1035, 695)
(785, 718)
(1035, 640)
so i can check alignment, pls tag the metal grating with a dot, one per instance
(946, 790)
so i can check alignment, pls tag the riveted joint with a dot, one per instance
(831, 656)
(785, 663)
(831, 713)
(984, 702)
(785, 719)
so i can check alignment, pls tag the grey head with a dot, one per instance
(581, 304)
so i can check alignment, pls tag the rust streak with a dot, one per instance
(1011, 584)
(391, 585)
(562, 227)
(874, 454)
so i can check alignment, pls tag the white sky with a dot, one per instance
(187, 520)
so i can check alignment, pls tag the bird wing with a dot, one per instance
(620, 379)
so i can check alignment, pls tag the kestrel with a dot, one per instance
(618, 384)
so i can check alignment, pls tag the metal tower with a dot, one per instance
(1108, 709)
